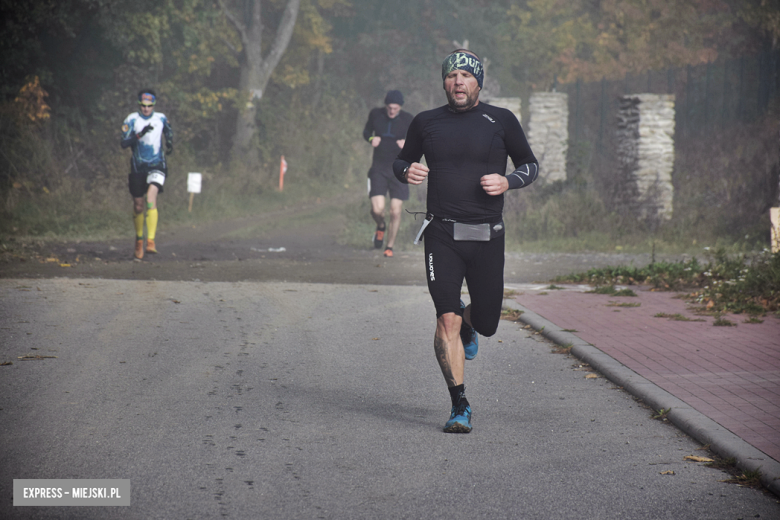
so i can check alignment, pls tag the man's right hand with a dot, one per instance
(148, 128)
(416, 173)
(375, 141)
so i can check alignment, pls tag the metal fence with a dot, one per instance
(708, 97)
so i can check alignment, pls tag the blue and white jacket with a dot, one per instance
(148, 153)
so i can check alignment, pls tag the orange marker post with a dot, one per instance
(282, 171)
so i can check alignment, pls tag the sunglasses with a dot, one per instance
(146, 104)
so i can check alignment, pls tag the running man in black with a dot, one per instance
(385, 130)
(466, 144)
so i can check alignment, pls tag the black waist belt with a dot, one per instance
(470, 221)
(493, 231)
(430, 216)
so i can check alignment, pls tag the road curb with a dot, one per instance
(694, 423)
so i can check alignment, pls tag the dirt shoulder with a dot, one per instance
(291, 244)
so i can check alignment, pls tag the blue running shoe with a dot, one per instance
(469, 337)
(460, 419)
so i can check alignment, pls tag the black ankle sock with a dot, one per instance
(457, 393)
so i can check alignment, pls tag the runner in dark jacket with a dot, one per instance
(386, 130)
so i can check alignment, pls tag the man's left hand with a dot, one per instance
(494, 184)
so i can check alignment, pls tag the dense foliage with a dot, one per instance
(69, 71)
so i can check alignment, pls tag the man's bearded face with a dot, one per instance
(462, 90)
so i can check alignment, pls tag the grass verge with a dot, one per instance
(675, 317)
(612, 291)
(743, 478)
(511, 314)
(743, 283)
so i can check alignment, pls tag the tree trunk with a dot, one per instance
(256, 70)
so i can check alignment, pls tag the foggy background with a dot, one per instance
(71, 70)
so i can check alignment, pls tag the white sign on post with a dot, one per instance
(193, 183)
(193, 186)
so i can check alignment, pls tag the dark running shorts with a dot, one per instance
(381, 180)
(139, 186)
(481, 264)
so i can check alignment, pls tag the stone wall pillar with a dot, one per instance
(548, 133)
(645, 153)
(513, 104)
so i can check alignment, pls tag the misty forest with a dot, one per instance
(245, 82)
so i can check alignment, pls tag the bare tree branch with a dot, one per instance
(241, 28)
(256, 70)
(230, 45)
(283, 35)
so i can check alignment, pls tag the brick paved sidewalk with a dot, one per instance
(729, 374)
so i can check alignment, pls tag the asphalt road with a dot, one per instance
(259, 368)
(261, 399)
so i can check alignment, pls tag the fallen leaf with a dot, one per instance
(64, 265)
(52, 259)
(176, 301)
(591, 376)
(667, 472)
(5, 363)
(695, 458)
(710, 304)
(375, 339)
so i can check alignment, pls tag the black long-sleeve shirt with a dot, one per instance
(460, 148)
(390, 130)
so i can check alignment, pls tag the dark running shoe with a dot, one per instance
(469, 337)
(379, 238)
(460, 419)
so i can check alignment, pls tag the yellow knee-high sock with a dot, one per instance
(151, 223)
(138, 222)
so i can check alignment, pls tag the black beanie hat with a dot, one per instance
(394, 96)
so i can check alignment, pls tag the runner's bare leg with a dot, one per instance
(395, 221)
(449, 348)
(378, 210)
